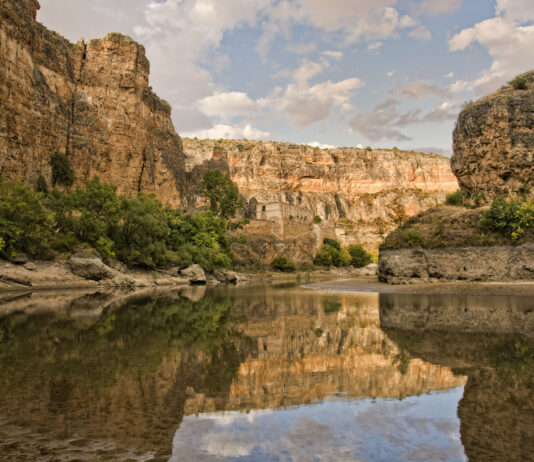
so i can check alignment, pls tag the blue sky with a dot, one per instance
(335, 73)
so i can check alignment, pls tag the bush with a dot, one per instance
(42, 185)
(283, 263)
(332, 243)
(510, 218)
(25, 225)
(519, 83)
(359, 257)
(317, 219)
(62, 173)
(413, 237)
(455, 198)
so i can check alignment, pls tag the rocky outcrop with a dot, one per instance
(90, 101)
(494, 144)
(494, 263)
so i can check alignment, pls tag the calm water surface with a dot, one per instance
(276, 373)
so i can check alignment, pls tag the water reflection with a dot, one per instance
(257, 373)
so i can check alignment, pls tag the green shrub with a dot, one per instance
(332, 254)
(283, 263)
(62, 173)
(510, 218)
(25, 225)
(519, 83)
(413, 237)
(332, 243)
(455, 198)
(359, 257)
(42, 185)
(317, 219)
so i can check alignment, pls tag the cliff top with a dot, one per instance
(199, 150)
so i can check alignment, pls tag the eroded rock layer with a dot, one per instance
(494, 144)
(358, 195)
(90, 101)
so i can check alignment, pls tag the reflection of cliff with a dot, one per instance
(459, 313)
(82, 379)
(311, 346)
(496, 411)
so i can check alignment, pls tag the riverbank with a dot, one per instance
(89, 272)
(372, 284)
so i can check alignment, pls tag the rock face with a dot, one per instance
(461, 263)
(358, 195)
(90, 101)
(494, 144)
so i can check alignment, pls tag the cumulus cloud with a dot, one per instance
(385, 120)
(227, 104)
(508, 37)
(318, 144)
(422, 90)
(337, 55)
(230, 132)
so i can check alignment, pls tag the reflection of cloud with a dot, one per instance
(424, 427)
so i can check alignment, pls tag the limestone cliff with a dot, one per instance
(90, 101)
(494, 144)
(358, 194)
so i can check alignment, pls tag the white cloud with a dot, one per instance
(375, 46)
(230, 132)
(337, 55)
(305, 105)
(509, 39)
(227, 104)
(391, 73)
(421, 33)
(450, 75)
(384, 121)
(421, 90)
(318, 144)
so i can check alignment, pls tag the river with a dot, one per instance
(264, 373)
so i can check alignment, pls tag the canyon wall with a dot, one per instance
(358, 195)
(90, 101)
(494, 144)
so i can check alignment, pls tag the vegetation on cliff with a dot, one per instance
(505, 222)
(138, 231)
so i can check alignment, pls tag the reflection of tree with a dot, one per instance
(497, 410)
(124, 376)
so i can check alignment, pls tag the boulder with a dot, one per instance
(195, 274)
(90, 268)
(225, 275)
(19, 259)
(30, 266)
(369, 270)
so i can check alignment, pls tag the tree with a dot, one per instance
(62, 173)
(25, 226)
(222, 193)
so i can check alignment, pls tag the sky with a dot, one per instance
(380, 73)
